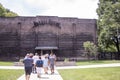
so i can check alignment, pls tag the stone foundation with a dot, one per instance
(60, 63)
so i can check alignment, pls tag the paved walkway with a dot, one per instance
(68, 67)
(56, 76)
(91, 66)
(48, 76)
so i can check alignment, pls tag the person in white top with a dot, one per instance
(35, 58)
(45, 64)
(27, 56)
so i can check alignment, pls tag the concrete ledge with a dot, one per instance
(59, 63)
(18, 64)
(69, 63)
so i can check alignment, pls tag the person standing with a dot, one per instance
(52, 61)
(27, 56)
(39, 65)
(35, 58)
(28, 62)
(45, 64)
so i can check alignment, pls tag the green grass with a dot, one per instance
(4, 63)
(7, 74)
(96, 62)
(91, 74)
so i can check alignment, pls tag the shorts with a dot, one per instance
(28, 70)
(45, 65)
(51, 66)
(38, 69)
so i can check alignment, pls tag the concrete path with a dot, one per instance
(48, 76)
(11, 67)
(91, 66)
(56, 76)
(69, 67)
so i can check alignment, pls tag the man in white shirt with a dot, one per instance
(35, 58)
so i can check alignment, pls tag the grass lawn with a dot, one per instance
(7, 74)
(96, 62)
(6, 63)
(91, 74)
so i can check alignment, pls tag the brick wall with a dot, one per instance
(20, 35)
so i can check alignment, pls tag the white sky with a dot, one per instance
(61, 8)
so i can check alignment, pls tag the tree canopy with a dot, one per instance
(108, 23)
(6, 12)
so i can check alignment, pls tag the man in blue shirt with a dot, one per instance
(39, 65)
(28, 63)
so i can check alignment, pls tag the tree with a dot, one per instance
(2, 10)
(108, 23)
(6, 12)
(91, 49)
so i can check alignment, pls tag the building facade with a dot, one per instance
(43, 34)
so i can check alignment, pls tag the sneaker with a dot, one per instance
(52, 73)
(38, 76)
(46, 72)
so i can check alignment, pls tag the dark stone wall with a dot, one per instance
(20, 35)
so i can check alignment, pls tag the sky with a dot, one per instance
(61, 8)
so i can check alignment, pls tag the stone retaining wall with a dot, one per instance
(61, 63)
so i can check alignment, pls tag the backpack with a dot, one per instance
(39, 63)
